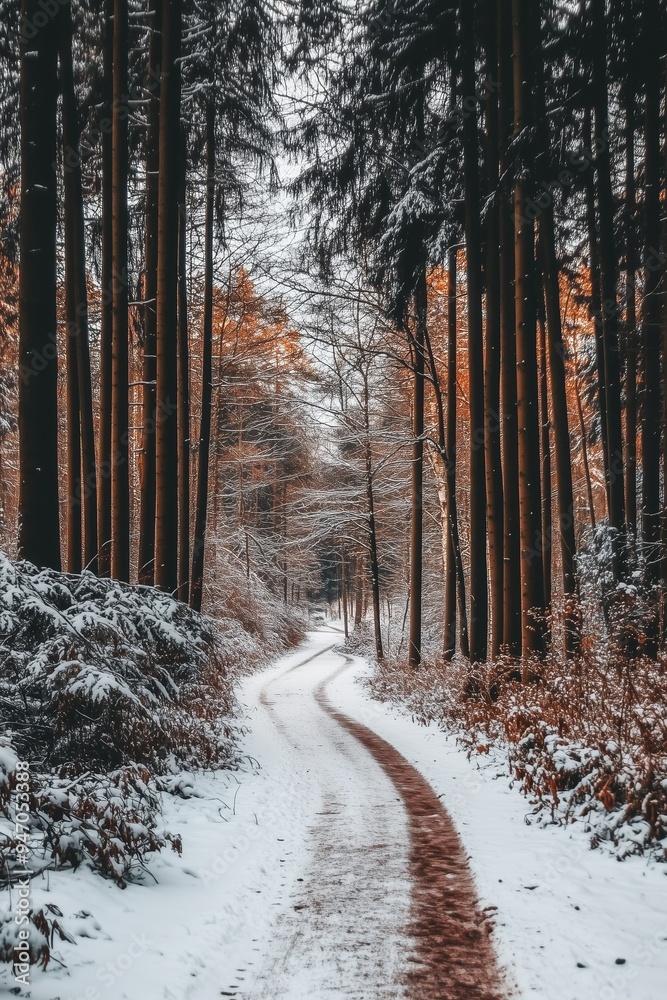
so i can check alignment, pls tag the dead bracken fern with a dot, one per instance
(586, 740)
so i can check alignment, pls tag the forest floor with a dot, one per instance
(326, 867)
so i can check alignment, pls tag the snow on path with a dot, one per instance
(233, 918)
(341, 933)
(572, 923)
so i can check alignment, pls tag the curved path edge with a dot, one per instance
(453, 958)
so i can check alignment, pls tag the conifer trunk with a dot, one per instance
(166, 459)
(630, 322)
(450, 438)
(554, 362)
(147, 455)
(120, 470)
(545, 449)
(494, 481)
(650, 435)
(74, 537)
(478, 622)
(75, 267)
(608, 317)
(532, 578)
(39, 519)
(106, 320)
(201, 501)
(509, 426)
(183, 401)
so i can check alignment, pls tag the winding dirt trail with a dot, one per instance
(386, 906)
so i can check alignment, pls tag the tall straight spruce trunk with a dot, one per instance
(608, 316)
(39, 521)
(650, 436)
(106, 322)
(166, 456)
(492, 447)
(120, 469)
(509, 437)
(631, 334)
(554, 360)
(183, 397)
(204, 449)
(449, 429)
(478, 623)
(533, 623)
(77, 306)
(145, 572)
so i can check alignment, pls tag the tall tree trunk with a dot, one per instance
(584, 455)
(201, 502)
(455, 579)
(532, 579)
(554, 359)
(494, 481)
(450, 438)
(630, 319)
(120, 473)
(343, 576)
(651, 308)
(663, 286)
(359, 589)
(608, 318)
(76, 267)
(596, 299)
(374, 563)
(73, 501)
(478, 500)
(556, 362)
(509, 430)
(166, 505)
(417, 490)
(147, 461)
(545, 449)
(39, 521)
(106, 323)
(183, 401)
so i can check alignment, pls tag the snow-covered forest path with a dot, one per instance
(385, 906)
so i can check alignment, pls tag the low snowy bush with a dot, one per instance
(101, 674)
(586, 741)
(109, 691)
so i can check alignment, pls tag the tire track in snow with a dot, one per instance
(386, 909)
(452, 955)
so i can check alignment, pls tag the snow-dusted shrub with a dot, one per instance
(586, 741)
(42, 927)
(102, 674)
(108, 690)
(108, 821)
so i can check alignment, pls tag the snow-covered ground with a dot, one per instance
(572, 923)
(222, 915)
